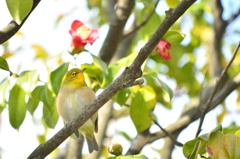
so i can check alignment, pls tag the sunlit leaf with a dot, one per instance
(143, 103)
(232, 144)
(99, 63)
(126, 136)
(46, 96)
(173, 37)
(19, 9)
(17, 106)
(122, 96)
(237, 133)
(189, 146)
(27, 80)
(7, 54)
(50, 116)
(215, 146)
(53, 61)
(164, 86)
(232, 128)
(57, 75)
(4, 89)
(33, 101)
(4, 65)
(172, 3)
(40, 52)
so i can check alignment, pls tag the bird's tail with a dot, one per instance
(92, 145)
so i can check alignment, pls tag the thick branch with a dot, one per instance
(219, 27)
(123, 11)
(11, 29)
(126, 79)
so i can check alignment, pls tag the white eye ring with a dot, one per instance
(74, 74)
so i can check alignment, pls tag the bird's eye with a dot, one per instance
(74, 74)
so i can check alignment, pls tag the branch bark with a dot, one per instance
(123, 11)
(11, 29)
(126, 79)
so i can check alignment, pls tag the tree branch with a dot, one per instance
(233, 17)
(123, 11)
(168, 134)
(219, 82)
(11, 29)
(126, 79)
(136, 28)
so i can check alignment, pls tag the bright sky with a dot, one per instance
(40, 29)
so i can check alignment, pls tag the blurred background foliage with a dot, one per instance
(182, 76)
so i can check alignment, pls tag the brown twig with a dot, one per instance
(136, 28)
(168, 134)
(219, 82)
(233, 17)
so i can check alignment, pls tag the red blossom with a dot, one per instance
(81, 35)
(164, 47)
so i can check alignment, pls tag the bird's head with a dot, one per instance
(74, 77)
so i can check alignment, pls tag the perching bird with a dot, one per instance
(73, 96)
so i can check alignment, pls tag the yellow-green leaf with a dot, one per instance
(27, 80)
(4, 65)
(4, 89)
(215, 146)
(17, 106)
(232, 144)
(57, 75)
(143, 103)
(19, 9)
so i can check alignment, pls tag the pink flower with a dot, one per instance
(164, 47)
(81, 35)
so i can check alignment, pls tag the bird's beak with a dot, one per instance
(83, 69)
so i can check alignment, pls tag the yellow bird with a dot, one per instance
(73, 96)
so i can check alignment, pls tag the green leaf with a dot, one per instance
(215, 146)
(50, 116)
(17, 106)
(4, 65)
(46, 96)
(19, 9)
(172, 3)
(99, 63)
(173, 37)
(57, 75)
(33, 101)
(168, 97)
(189, 146)
(27, 80)
(52, 62)
(41, 53)
(192, 148)
(166, 88)
(4, 89)
(232, 144)
(126, 136)
(141, 108)
(139, 156)
(237, 133)
(122, 96)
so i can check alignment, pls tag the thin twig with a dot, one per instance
(233, 17)
(136, 28)
(218, 83)
(168, 134)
